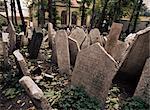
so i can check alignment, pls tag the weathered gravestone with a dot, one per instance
(12, 37)
(95, 36)
(143, 88)
(22, 63)
(119, 50)
(73, 50)
(50, 34)
(5, 39)
(35, 43)
(85, 43)
(113, 37)
(94, 70)
(62, 51)
(79, 35)
(131, 67)
(35, 93)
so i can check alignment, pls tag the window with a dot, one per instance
(64, 17)
(74, 18)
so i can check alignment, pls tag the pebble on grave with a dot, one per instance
(94, 70)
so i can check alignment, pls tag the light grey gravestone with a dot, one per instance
(85, 43)
(50, 34)
(73, 50)
(113, 37)
(5, 39)
(95, 36)
(62, 51)
(94, 70)
(143, 88)
(12, 37)
(79, 35)
(119, 50)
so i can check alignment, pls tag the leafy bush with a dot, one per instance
(75, 98)
(135, 103)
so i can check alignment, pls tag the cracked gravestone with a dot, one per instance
(95, 36)
(94, 70)
(143, 87)
(62, 51)
(73, 50)
(35, 43)
(113, 37)
(79, 35)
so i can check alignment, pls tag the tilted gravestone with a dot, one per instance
(62, 51)
(94, 70)
(5, 39)
(113, 37)
(12, 37)
(79, 35)
(132, 65)
(35, 43)
(143, 88)
(73, 50)
(85, 43)
(95, 36)
(119, 50)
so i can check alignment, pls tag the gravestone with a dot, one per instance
(143, 88)
(113, 37)
(119, 50)
(94, 70)
(35, 43)
(22, 63)
(132, 65)
(95, 36)
(79, 35)
(50, 34)
(62, 51)
(85, 43)
(73, 50)
(5, 39)
(12, 37)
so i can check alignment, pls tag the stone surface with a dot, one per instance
(119, 50)
(143, 88)
(50, 34)
(130, 38)
(73, 50)
(35, 43)
(95, 36)
(85, 43)
(79, 35)
(94, 70)
(62, 51)
(12, 37)
(113, 37)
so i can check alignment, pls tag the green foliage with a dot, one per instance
(112, 102)
(75, 98)
(135, 103)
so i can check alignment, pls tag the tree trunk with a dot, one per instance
(42, 14)
(101, 19)
(93, 14)
(50, 10)
(69, 12)
(21, 16)
(131, 18)
(12, 12)
(83, 13)
(6, 10)
(15, 12)
(137, 15)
